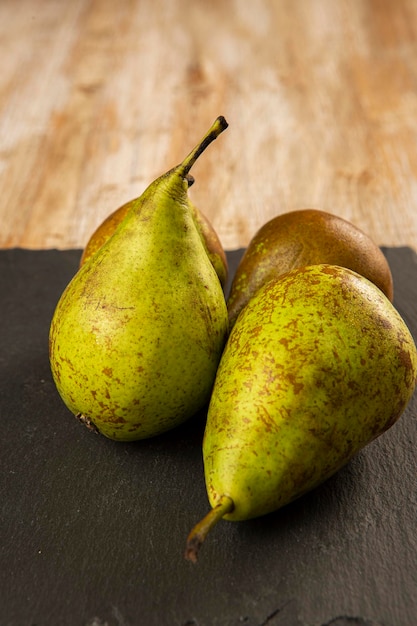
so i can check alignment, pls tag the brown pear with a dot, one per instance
(208, 235)
(300, 238)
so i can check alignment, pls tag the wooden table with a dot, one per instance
(96, 101)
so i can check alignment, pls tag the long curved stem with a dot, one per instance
(218, 126)
(200, 530)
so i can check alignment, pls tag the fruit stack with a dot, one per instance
(306, 362)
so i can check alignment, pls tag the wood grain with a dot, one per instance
(98, 98)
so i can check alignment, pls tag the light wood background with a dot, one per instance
(98, 97)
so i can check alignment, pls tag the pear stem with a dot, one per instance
(218, 126)
(200, 530)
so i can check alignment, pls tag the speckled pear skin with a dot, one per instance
(210, 239)
(318, 364)
(305, 237)
(137, 335)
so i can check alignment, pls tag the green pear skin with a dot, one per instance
(318, 364)
(209, 237)
(138, 333)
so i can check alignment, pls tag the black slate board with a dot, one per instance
(93, 531)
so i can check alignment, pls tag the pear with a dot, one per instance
(137, 335)
(209, 237)
(305, 237)
(318, 364)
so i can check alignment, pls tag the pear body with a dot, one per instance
(137, 335)
(306, 237)
(210, 239)
(318, 364)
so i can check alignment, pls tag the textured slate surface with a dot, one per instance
(93, 532)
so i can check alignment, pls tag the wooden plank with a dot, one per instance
(97, 100)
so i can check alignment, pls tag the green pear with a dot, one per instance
(318, 364)
(208, 236)
(138, 333)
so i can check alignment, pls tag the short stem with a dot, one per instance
(200, 531)
(214, 131)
